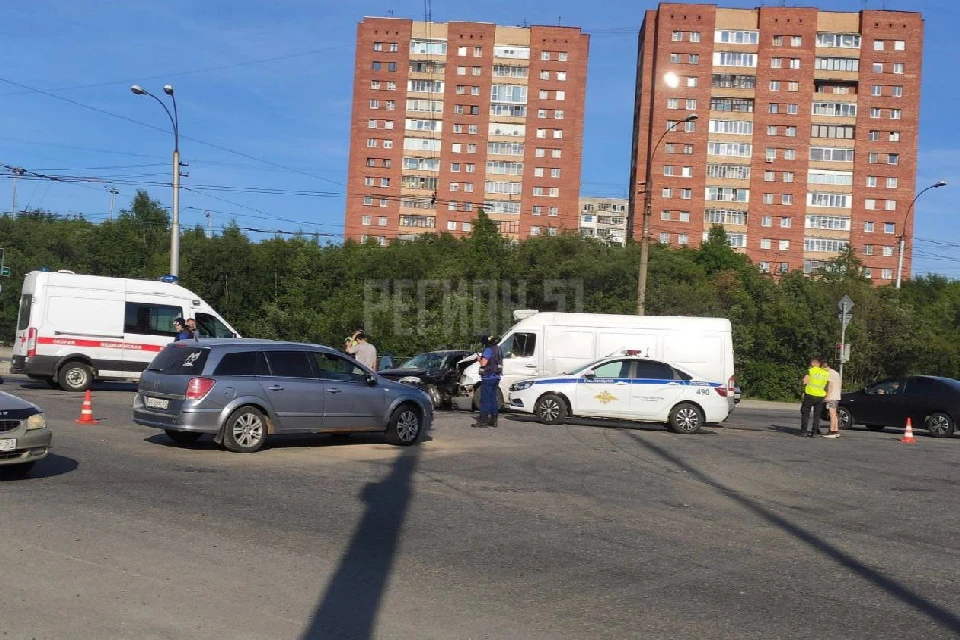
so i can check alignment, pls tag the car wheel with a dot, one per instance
(876, 427)
(940, 425)
(685, 418)
(550, 409)
(245, 430)
(17, 470)
(844, 418)
(405, 426)
(75, 376)
(435, 398)
(182, 437)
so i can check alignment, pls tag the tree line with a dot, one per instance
(441, 291)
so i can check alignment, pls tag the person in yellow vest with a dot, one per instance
(814, 395)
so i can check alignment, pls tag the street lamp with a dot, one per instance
(645, 240)
(903, 227)
(175, 223)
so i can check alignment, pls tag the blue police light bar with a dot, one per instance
(45, 269)
(169, 278)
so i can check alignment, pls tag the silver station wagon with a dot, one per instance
(243, 391)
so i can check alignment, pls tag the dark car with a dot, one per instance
(24, 436)
(437, 373)
(931, 403)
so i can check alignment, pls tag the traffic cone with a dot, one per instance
(86, 411)
(908, 436)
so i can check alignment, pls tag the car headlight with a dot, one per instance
(521, 386)
(36, 421)
(410, 380)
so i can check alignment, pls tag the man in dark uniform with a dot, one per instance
(491, 370)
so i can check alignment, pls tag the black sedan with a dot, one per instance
(436, 372)
(931, 403)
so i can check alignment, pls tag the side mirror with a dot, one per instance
(371, 379)
(590, 374)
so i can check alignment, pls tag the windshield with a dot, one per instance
(424, 361)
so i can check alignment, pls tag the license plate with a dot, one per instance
(156, 403)
(8, 444)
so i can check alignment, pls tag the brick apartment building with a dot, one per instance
(805, 138)
(604, 219)
(448, 118)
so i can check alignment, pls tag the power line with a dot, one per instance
(162, 130)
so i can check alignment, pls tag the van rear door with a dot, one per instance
(25, 338)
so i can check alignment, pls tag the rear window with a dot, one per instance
(26, 304)
(180, 361)
(243, 363)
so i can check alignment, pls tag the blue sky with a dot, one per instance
(290, 116)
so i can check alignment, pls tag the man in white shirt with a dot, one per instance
(364, 352)
(833, 397)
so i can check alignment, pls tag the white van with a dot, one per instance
(73, 329)
(546, 344)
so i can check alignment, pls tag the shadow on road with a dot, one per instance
(601, 423)
(935, 612)
(313, 441)
(349, 606)
(49, 467)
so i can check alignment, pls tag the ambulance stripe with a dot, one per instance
(99, 344)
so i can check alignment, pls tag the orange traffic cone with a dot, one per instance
(86, 412)
(908, 436)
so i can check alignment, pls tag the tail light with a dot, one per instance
(732, 385)
(198, 388)
(31, 342)
(721, 390)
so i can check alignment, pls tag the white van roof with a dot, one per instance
(106, 283)
(553, 318)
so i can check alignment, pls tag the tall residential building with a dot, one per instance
(805, 138)
(448, 118)
(604, 219)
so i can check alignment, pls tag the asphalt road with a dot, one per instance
(587, 531)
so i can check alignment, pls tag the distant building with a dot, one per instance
(604, 219)
(448, 118)
(805, 139)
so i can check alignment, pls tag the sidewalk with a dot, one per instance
(768, 405)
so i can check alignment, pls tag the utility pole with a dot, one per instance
(113, 198)
(209, 216)
(17, 172)
(902, 244)
(845, 315)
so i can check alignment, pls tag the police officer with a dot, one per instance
(814, 394)
(491, 369)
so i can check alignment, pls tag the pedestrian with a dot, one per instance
(192, 328)
(364, 352)
(491, 370)
(350, 342)
(180, 327)
(833, 398)
(814, 393)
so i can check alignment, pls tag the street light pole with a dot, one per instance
(903, 228)
(645, 239)
(175, 221)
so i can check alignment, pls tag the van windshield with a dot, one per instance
(211, 327)
(23, 319)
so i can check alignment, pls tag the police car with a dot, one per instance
(626, 386)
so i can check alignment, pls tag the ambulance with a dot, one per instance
(73, 329)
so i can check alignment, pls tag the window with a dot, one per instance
(561, 76)
(827, 245)
(519, 53)
(726, 171)
(786, 199)
(771, 129)
(774, 85)
(824, 176)
(544, 75)
(893, 158)
(736, 37)
(693, 58)
(775, 63)
(764, 267)
(429, 47)
(898, 68)
(555, 153)
(892, 183)
(873, 158)
(766, 221)
(365, 220)
(727, 194)
(836, 64)
(790, 132)
(793, 86)
(667, 192)
(765, 243)
(783, 245)
(736, 127)
(368, 182)
(735, 59)
(886, 274)
(868, 227)
(509, 71)
(831, 154)
(896, 114)
(722, 216)
(778, 41)
(562, 56)
(476, 71)
(838, 40)
(788, 176)
(786, 222)
(889, 227)
(842, 132)
(789, 154)
(834, 223)
(868, 249)
(451, 225)
(150, 319)
(733, 81)
(558, 133)
(891, 205)
(737, 149)
(822, 199)
(796, 41)
(769, 176)
(664, 238)
(544, 55)
(887, 252)
(478, 52)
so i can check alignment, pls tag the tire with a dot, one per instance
(435, 396)
(844, 418)
(876, 427)
(405, 427)
(75, 376)
(245, 430)
(17, 471)
(685, 418)
(182, 437)
(940, 425)
(550, 409)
